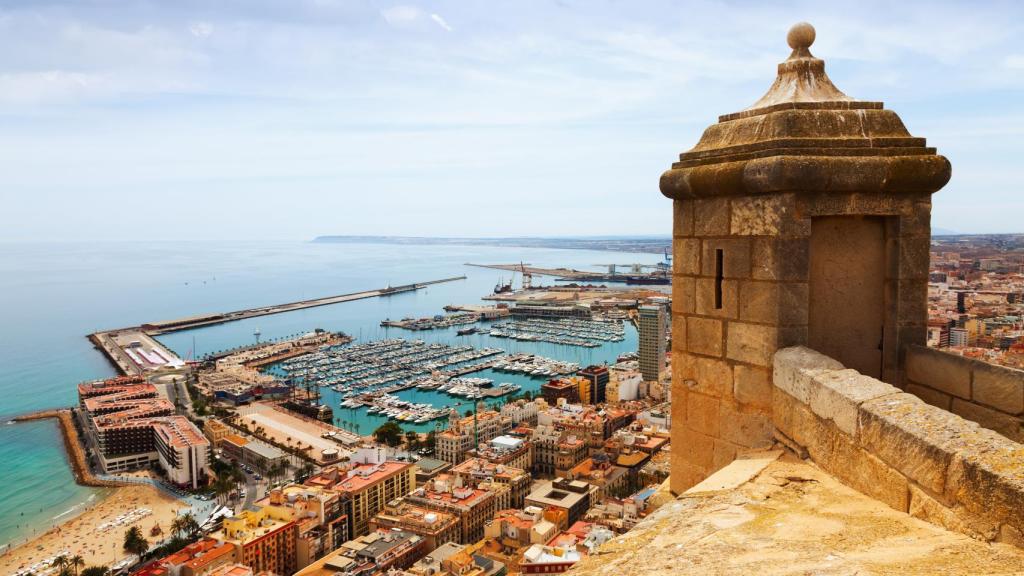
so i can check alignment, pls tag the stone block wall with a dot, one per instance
(990, 395)
(741, 292)
(894, 447)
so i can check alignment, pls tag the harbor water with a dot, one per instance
(54, 294)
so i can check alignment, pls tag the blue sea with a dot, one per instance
(54, 294)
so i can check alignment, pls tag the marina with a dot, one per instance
(568, 331)
(434, 322)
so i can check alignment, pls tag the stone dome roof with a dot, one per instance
(843, 144)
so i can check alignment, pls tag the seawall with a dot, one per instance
(73, 446)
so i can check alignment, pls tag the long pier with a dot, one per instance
(73, 445)
(128, 348)
(163, 327)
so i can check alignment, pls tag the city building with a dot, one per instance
(521, 412)
(513, 451)
(599, 377)
(454, 559)
(599, 471)
(429, 468)
(434, 526)
(264, 538)
(472, 506)
(573, 497)
(370, 554)
(196, 559)
(475, 470)
(463, 434)
(653, 328)
(319, 515)
(565, 549)
(128, 426)
(262, 456)
(366, 488)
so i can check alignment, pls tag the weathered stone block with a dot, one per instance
(725, 452)
(706, 298)
(915, 438)
(838, 454)
(783, 259)
(773, 302)
(931, 396)
(702, 414)
(794, 367)
(792, 417)
(836, 396)
(735, 257)
(762, 215)
(682, 218)
(751, 343)
(710, 376)
(678, 331)
(1010, 426)
(686, 256)
(927, 508)
(913, 296)
(752, 386)
(711, 217)
(684, 475)
(940, 370)
(704, 336)
(699, 450)
(914, 259)
(987, 478)
(999, 387)
(746, 428)
(684, 294)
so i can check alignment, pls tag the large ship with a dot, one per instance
(648, 280)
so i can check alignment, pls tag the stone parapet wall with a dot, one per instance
(894, 447)
(990, 395)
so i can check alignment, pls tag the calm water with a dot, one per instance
(53, 294)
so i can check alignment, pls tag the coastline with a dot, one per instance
(95, 533)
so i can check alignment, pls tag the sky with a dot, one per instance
(251, 119)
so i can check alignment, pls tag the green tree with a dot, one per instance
(431, 440)
(134, 542)
(303, 471)
(61, 562)
(75, 563)
(412, 440)
(186, 526)
(96, 571)
(389, 433)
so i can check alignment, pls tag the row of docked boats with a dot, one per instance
(534, 366)
(380, 364)
(567, 331)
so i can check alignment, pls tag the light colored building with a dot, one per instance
(472, 506)
(320, 515)
(463, 434)
(521, 412)
(573, 497)
(434, 526)
(652, 341)
(264, 538)
(375, 553)
(474, 471)
(454, 559)
(367, 488)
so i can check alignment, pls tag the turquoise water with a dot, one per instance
(53, 294)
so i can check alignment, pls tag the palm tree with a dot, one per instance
(60, 562)
(76, 562)
(185, 526)
(134, 542)
(96, 571)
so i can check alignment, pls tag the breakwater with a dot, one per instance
(73, 446)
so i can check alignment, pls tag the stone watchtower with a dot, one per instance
(802, 220)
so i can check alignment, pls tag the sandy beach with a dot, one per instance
(96, 535)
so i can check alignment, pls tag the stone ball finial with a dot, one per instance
(800, 36)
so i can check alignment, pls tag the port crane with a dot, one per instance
(527, 277)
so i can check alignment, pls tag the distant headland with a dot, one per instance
(655, 244)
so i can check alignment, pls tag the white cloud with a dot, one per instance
(1014, 62)
(200, 29)
(401, 15)
(440, 22)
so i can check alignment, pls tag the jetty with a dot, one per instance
(73, 446)
(134, 350)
